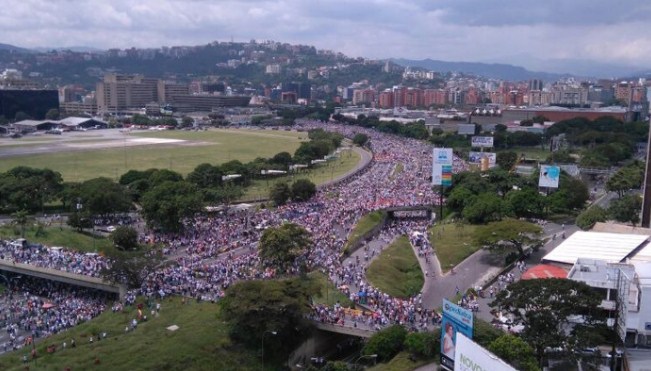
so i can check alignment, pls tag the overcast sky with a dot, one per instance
(509, 31)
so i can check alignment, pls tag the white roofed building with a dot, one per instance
(610, 247)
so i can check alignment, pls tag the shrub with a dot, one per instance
(423, 344)
(386, 343)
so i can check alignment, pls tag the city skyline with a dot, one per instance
(523, 33)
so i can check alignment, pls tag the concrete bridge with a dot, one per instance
(61, 276)
(345, 330)
(429, 209)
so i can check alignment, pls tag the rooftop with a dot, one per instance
(611, 247)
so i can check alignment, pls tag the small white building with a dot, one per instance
(630, 284)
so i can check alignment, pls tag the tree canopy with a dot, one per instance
(124, 238)
(508, 235)
(131, 268)
(303, 190)
(167, 204)
(515, 351)
(545, 307)
(256, 308)
(281, 247)
(280, 193)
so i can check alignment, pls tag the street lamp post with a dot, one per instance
(373, 356)
(263, 334)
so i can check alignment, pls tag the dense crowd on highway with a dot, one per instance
(214, 251)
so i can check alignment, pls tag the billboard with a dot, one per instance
(456, 320)
(549, 176)
(442, 166)
(466, 129)
(470, 356)
(486, 159)
(481, 142)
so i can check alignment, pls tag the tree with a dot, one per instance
(526, 203)
(131, 268)
(589, 217)
(167, 204)
(360, 139)
(506, 160)
(280, 247)
(627, 178)
(545, 308)
(459, 198)
(280, 193)
(124, 238)
(52, 114)
(206, 176)
(282, 158)
(257, 307)
(386, 343)
(487, 207)
(79, 221)
(159, 176)
(515, 351)
(572, 194)
(508, 235)
(26, 188)
(303, 190)
(187, 122)
(103, 196)
(626, 209)
(21, 218)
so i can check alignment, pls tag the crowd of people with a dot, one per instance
(214, 251)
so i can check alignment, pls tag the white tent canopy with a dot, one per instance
(611, 247)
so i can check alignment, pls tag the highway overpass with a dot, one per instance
(9, 265)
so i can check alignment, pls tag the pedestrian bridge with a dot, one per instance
(8, 265)
(345, 330)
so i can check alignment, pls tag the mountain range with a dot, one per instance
(491, 70)
(548, 70)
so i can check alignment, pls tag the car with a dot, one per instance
(110, 228)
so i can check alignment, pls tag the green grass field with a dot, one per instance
(396, 271)
(318, 175)
(365, 224)
(200, 343)
(534, 152)
(55, 236)
(214, 146)
(452, 243)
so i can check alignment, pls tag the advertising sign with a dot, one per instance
(455, 320)
(466, 129)
(446, 175)
(481, 142)
(549, 176)
(442, 166)
(470, 356)
(442, 156)
(437, 174)
(490, 158)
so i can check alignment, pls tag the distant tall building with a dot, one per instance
(535, 84)
(167, 91)
(122, 92)
(303, 90)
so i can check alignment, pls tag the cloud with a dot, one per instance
(468, 30)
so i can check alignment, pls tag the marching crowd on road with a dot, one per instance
(214, 251)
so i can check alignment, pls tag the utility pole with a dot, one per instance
(646, 190)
